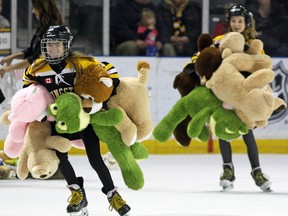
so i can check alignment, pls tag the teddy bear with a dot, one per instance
(67, 110)
(204, 108)
(31, 142)
(132, 98)
(250, 96)
(38, 155)
(185, 82)
(34, 97)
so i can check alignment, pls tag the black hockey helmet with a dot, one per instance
(240, 10)
(56, 33)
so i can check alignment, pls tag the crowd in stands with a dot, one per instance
(178, 23)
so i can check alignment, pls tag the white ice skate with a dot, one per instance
(261, 179)
(266, 186)
(110, 161)
(226, 185)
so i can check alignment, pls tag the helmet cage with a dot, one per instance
(54, 60)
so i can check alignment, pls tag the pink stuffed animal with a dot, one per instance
(27, 105)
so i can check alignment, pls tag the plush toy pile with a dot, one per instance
(204, 108)
(131, 98)
(129, 112)
(29, 139)
(68, 110)
(251, 96)
(223, 69)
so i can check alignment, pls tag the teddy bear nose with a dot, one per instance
(43, 176)
(87, 109)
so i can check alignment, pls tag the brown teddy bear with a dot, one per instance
(250, 96)
(132, 98)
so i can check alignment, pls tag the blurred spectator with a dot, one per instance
(4, 23)
(46, 13)
(271, 19)
(222, 26)
(125, 18)
(147, 31)
(182, 20)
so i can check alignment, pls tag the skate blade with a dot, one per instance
(226, 189)
(266, 186)
(268, 190)
(226, 183)
(82, 212)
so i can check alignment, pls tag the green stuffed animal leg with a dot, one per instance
(226, 125)
(163, 131)
(110, 117)
(197, 127)
(131, 172)
(139, 151)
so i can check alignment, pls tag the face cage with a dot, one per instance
(57, 60)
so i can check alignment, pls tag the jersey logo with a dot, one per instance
(48, 80)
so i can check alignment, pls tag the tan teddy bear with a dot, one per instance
(37, 155)
(251, 97)
(132, 98)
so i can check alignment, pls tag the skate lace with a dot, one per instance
(227, 174)
(116, 202)
(75, 198)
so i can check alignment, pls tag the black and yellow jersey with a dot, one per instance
(63, 81)
(55, 83)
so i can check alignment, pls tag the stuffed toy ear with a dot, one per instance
(106, 81)
(189, 68)
(203, 41)
(208, 61)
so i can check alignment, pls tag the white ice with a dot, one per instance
(175, 185)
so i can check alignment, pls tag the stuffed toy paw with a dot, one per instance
(70, 118)
(131, 98)
(203, 107)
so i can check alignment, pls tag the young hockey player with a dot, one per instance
(57, 72)
(240, 20)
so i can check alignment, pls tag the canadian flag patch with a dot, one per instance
(48, 80)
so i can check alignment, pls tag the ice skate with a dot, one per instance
(6, 171)
(117, 203)
(261, 180)
(77, 201)
(110, 161)
(227, 177)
